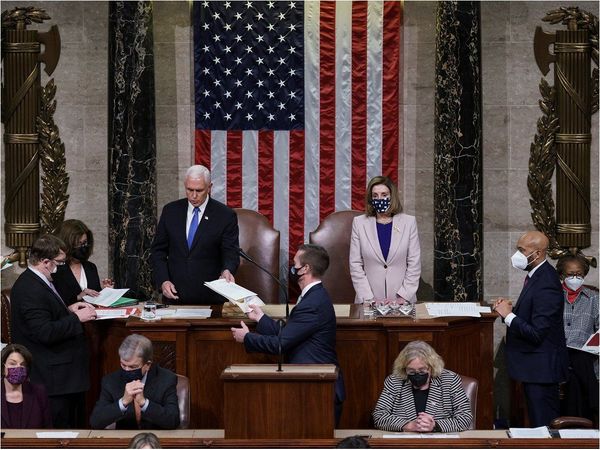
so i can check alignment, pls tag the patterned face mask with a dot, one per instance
(381, 205)
(16, 375)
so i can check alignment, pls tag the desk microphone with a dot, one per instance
(281, 324)
(244, 255)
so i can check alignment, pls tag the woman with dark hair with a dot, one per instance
(79, 276)
(24, 404)
(385, 255)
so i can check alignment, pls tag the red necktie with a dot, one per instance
(526, 280)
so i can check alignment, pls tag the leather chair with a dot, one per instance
(563, 422)
(5, 296)
(261, 242)
(471, 386)
(334, 233)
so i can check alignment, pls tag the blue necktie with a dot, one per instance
(193, 228)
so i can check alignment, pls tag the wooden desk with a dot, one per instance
(214, 439)
(367, 348)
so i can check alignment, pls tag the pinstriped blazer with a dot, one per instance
(446, 402)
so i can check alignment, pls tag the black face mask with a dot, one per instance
(82, 253)
(131, 375)
(294, 277)
(418, 379)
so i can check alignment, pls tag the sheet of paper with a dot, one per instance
(230, 291)
(114, 313)
(421, 436)
(107, 297)
(539, 432)
(194, 313)
(57, 434)
(6, 266)
(453, 309)
(579, 434)
(166, 312)
(244, 304)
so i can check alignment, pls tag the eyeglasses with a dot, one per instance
(416, 372)
(58, 263)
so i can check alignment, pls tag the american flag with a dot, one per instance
(297, 106)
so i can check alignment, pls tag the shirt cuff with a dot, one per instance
(122, 407)
(509, 318)
(145, 407)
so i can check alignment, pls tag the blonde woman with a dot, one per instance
(421, 396)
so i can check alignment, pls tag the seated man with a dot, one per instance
(141, 394)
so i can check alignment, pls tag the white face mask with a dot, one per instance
(520, 261)
(574, 283)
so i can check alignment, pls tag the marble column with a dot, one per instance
(458, 191)
(132, 145)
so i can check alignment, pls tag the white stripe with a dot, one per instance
(218, 165)
(281, 198)
(374, 87)
(250, 169)
(343, 105)
(311, 117)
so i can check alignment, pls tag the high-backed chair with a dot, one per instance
(334, 233)
(471, 386)
(5, 337)
(261, 242)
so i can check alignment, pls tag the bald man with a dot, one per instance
(536, 352)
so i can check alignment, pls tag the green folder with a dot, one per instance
(124, 301)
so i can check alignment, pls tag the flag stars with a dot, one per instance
(207, 115)
(227, 49)
(292, 95)
(259, 16)
(249, 49)
(259, 61)
(248, 71)
(281, 83)
(292, 5)
(216, 38)
(227, 5)
(206, 26)
(270, 49)
(216, 16)
(238, 60)
(281, 60)
(270, 27)
(292, 72)
(227, 94)
(238, 105)
(281, 105)
(292, 27)
(271, 5)
(281, 38)
(205, 48)
(227, 71)
(292, 117)
(260, 83)
(206, 93)
(292, 50)
(238, 83)
(217, 82)
(260, 106)
(248, 116)
(248, 27)
(249, 94)
(238, 38)
(217, 105)
(238, 16)
(216, 60)
(206, 71)
(227, 116)
(227, 27)
(271, 94)
(205, 4)
(248, 5)
(260, 38)
(281, 16)
(271, 72)
(271, 117)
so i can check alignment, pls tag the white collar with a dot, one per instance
(201, 208)
(40, 274)
(530, 274)
(306, 289)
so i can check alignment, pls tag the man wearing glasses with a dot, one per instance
(53, 332)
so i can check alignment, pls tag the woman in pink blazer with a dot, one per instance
(385, 255)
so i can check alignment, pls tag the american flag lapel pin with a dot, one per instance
(205, 217)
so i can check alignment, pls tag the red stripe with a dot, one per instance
(234, 169)
(265, 174)
(202, 148)
(392, 88)
(359, 102)
(327, 110)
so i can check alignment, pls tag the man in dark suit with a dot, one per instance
(536, 352)
(197, 240)
(309, 335)
(53, 332)
(141, 394)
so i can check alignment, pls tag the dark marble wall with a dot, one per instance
(132, 144)
(458, 191)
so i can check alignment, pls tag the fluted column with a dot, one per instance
(132, 144)
(458, 192)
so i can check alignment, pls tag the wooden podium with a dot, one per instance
(296, 403)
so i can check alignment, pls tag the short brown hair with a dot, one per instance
(46, 246)
(21, 350)
(316, 257)
(395, 205)
(579, 259)
(70, 231)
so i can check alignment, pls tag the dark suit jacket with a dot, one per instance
(214, 249)
(36, 409)
(53, 334)
(160, 389)
(536, 350)
(308, 337)
(68, 287)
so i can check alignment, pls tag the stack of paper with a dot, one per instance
(534, 433)
(114, 313)
(235, 293)
(108, 297)
(456, 309)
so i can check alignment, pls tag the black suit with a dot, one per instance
(536, 352)
(163, 407)
(54, 335)
(214, 249)
(68, 286)
(308, 337)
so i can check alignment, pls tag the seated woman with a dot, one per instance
(79, 276)
(24, 404)
(580, 321)
(385, 255)
(421, 396)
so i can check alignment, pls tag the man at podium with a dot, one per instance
(309, 335)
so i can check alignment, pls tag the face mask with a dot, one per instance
(381, 205)
(520, 261)
(294, 276)
(131, 375)
(418, 379)
(16, 375)
(82, 253)
(55, 269)
(574, 283)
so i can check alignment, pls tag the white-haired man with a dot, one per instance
(197, 240)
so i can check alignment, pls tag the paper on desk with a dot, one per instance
(57, 434)
(230, 291)
(578, 434)
(244, 304)
(195, 313)
(107, 297)
(539, 432)
(456, 309)
(114, 313)
(421, 436)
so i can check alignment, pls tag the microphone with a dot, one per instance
(281, 324)
(244, 255)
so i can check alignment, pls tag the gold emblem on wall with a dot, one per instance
(563, 138)
(30, 133)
